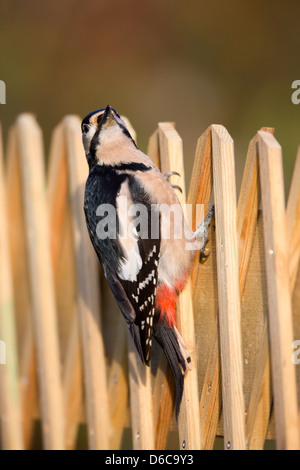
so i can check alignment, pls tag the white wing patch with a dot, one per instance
(131, 266)
(132, 263)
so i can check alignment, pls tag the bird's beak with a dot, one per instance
(108, 117)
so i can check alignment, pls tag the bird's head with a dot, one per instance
(103, 131)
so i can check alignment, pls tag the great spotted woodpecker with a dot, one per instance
(145, 264)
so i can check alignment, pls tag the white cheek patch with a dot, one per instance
(87, 138)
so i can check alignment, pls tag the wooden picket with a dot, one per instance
(68, 356)
(10, 401)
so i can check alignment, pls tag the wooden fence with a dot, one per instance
(65, 352)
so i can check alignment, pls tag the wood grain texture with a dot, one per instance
(293, 230)
(205, 298)
(228, 288)
(293, 222)
(21, 288)
(254, 307)
(153, 148)
(10, 397)
(171, 156)
(278, 286)
(30, 149)
(140, 401)
(64, 268)
(118, 387)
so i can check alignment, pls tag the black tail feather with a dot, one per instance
(167, 339)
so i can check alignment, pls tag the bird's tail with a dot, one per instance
(176, 353)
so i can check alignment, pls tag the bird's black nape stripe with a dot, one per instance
(111, 170)
(134, 166)
(126, 132)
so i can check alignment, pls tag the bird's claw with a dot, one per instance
(175, 186)
(167, 177)
(204, 255)
(170, 173)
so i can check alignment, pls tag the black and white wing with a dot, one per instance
(137, 273)
(130, 261)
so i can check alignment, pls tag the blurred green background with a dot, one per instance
(195, 62)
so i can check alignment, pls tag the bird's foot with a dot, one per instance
(201, 233)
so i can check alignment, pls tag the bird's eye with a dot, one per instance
(85, 128)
